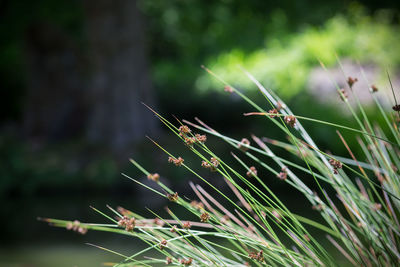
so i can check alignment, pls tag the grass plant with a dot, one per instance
(358, 199)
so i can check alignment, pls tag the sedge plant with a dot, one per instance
(359, 212)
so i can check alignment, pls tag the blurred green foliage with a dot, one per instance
(285, 63)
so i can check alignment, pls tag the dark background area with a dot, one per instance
(74, 74)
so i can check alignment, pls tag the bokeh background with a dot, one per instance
(74, 74)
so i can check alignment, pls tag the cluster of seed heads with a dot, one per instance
(178, 162)
(153, 176)
(185, 131)
(351, 81)
(283, 174)
(163, 244)
(252, 172)
(76, 227)
(187, 262)
(186, 225)
(244, 144)
(173, 197)
(128, 223)
(204, 217)
(336, 165)
(272, 113)
(213, 166)
(259, 256)
(290, 120)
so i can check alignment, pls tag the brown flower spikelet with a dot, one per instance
(76, 227)
(374, 89)
(252, 172)
(351, 81)
(153, 176)
(173, 197)
(290, 120)
(128, 223)
(178, 162)
(187, 262)
(202, 138)
(186, 225)
(163, 244)
(184, 130)
(336, 165)
(283, 174)
(244, 144)
(228, 89)
(272, 112)
(204, 217)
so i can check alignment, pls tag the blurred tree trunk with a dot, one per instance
(119, 78)
(53, 107)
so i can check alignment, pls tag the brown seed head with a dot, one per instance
(178, 162)
(283, 174)
(244, 144)
(163, 244)
(190, 141)
(184, 129)
(290, 120)
(153, 176)
(252, 172)
(204, 217)
(168, 260)
(128, 223)
(173, 197)
(257, 256)
(202, 138)
(351, 81)
(214, 162)
(186, 225)
(343, 94)
(228, 89)
(396, 107)
(187, 262)
(173, 229)
(374, 89)
(272, 112)
(336, 165)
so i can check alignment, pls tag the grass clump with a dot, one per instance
(358, 200)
